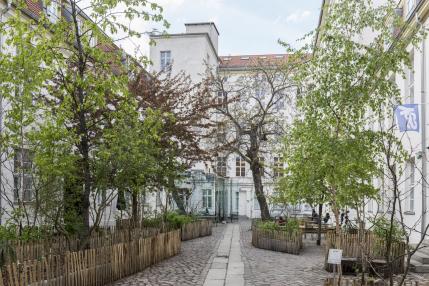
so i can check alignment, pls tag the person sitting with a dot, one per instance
(314, 216)
(326, 218)
(281, 221)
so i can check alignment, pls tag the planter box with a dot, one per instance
(276, 240)
(357, 282)
(196, 229)
(95, 266)
(374, 247)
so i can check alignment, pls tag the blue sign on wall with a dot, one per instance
(408, 117)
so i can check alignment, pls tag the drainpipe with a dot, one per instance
(423, 134)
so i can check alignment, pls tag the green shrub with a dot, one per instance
(169, 220)
(290, 225)
(381, 228)
(178, 220)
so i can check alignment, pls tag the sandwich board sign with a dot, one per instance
(335, 256)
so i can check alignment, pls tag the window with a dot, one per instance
(280, 104)
(158, 199)
(221, 133)
(166, 60)
(277, 167)
(410, 80)
(52, 11)
(23, 177)
(240, 167)
(93, 40)
(370, 205)
(222, 98)
(410, 6)
(259, 92)
(207, 199)
(221, 166)
(410, 179)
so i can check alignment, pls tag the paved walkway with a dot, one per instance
(188, 268)
(270, 268)
(227, 258)
(227, 268)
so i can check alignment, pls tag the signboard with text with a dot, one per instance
(335, 256)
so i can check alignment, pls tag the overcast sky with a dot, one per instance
(245, 26)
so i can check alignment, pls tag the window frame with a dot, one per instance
(277, 167)
(52, 11)
(208, 199)
(165, 62)
(240, 167)
(221, 166)
(23, 181)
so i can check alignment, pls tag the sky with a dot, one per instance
(245, 26)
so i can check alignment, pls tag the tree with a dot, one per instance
(343, 83)
(185, 111)
(252, 105)
(325, 168)
(84, 96)
(346, 89)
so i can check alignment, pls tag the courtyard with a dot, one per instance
(215, 260)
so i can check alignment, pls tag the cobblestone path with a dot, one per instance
(269, 268)
(201, 260)
(188, 268)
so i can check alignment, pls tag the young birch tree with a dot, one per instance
(343, 84)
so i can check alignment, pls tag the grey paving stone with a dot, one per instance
(218, 265)
(216, 274)
(264, 267)
(188, 268)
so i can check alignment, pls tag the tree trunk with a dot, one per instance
(319, 225)
(255, 166)
(176, 196)
(72, 204)
(259, 190)
(135, 209)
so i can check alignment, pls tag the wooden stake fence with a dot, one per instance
(357, 282)
(93, 267)
(24, 251)
(196, 229)
(277, 240)
(373, 246)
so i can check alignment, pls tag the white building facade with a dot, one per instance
(227, 186)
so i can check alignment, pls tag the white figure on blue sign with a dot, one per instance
(408, 117)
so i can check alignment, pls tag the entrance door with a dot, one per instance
(242, 203)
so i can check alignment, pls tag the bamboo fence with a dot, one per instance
(372, 246)
(96, 266)
(357, 282)
(196, 229)
(277, 240)
(23, 251)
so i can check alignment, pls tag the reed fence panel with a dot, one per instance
(277, 240)
(196, 229)
(23, 251)
(346, 281)
(96, 266)
(373, 247)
